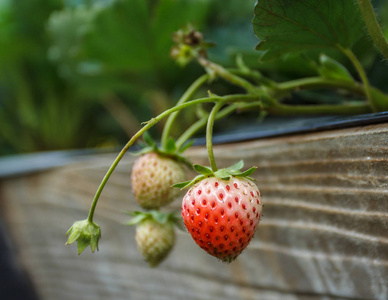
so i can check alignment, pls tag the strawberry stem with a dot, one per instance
(152, 122)
(284, 88)
(373, 26)
(368, 91)
(228, 76)
(185, 97)
(209, 134)
(279, 109)
(202, 122)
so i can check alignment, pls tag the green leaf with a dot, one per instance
(181, 185)
(144, 151)
(138, 32)
(248, 172)
(82, 243)
(224, 174)
(243, 174)
(237, 166)
(159, 216)
(73, 236)
(170, 145)
(186, 184)
(380, 99)
(138, 217)
(148, 139)
(332, 69)
(94, 242)
(203, 170)
(286, 26)
(182, 159)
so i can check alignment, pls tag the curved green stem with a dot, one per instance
(209, 134)
(244, 70)
(228, 76)
(346, 109)
(373, 26)
(185, 97)
(315, 83)
(255, 76)
(148, 125)
(202, 122)
(190, 132)
(368, 91)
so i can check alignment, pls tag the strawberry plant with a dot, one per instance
(222, 208)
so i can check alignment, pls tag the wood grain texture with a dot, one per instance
(324, 234)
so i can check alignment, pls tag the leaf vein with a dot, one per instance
(295, 23)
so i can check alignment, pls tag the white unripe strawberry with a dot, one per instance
(154, 240)
(152, 178)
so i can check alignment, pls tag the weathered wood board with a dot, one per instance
(324, 234)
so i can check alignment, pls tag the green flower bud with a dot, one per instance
(85, 233)
(188, 45)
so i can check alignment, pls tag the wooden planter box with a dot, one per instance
(324, 234)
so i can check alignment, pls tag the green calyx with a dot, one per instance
(170, 150)
(86, 233)
(156, 215)
(224, 174)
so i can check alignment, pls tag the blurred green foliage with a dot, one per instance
(79, 73)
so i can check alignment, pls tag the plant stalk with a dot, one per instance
(185, 97)
(228, 76)
(202, 122)
(285, 88)
(152, 122)
(346, 109)
(368, 91)
(373, 26)
(209, 134)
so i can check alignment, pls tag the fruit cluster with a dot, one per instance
(153, 175)
(222, 208)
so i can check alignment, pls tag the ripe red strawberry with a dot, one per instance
(222, 215)
(152, 178)
(154, 240)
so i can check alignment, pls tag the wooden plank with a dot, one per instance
(324, 233)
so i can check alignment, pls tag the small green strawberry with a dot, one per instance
(155, 235)
(222, 210)
(152, 178)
